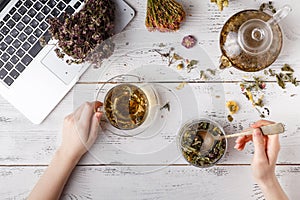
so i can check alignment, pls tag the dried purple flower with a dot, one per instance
(80, 33)
(189, 41)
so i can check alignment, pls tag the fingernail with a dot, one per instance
(236, 146)
(98, 116)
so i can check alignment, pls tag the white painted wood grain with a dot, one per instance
(179, 182)
(24, 146)
(205, 22)
(24, 143)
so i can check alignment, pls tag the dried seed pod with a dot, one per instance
(164, 15)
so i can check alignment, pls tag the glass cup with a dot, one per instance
(129, 104)
(191, 137)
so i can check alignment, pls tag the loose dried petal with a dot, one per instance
(232, 106)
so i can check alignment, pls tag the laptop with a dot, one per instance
(32, 78)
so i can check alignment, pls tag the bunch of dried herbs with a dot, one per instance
(164, 15)
(191, 142)
(80, 33)
(285, 75)
(220, 3)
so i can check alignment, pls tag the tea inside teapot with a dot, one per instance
(251, 39)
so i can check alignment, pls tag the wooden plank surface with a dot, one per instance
(180, 182)
(24, 143)
(115, 170)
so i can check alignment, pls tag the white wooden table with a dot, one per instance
(114, 169)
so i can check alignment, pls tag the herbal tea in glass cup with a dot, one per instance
(129, 107)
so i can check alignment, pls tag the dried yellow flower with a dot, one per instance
(221, 3)
(232, 106)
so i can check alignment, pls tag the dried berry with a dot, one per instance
(164, 15)
(80, 33)
(230, 118)
(189, 41)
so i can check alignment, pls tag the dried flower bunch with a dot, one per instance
(80, 33)
(164, 15)
(220, 3)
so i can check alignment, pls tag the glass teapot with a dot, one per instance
(251, 40)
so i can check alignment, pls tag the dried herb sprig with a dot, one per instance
(173, 57)
(80, 33)
(252, 91)
(286, 75)
(220, 3)
(267, 6)
(164, 15)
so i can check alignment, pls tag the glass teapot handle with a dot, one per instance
(279, 15)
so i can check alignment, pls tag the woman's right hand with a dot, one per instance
(266, 149)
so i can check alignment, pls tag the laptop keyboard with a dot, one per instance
(20, 31)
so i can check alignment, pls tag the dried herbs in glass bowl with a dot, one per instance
(191, 138)
(80, 33)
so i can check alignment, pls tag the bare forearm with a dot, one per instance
(53, 180)
(273, 191)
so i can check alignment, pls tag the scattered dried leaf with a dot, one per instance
(181, 85)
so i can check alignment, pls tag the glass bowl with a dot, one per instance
(191, 137)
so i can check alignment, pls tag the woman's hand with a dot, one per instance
(80, 130)
(266, 149)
